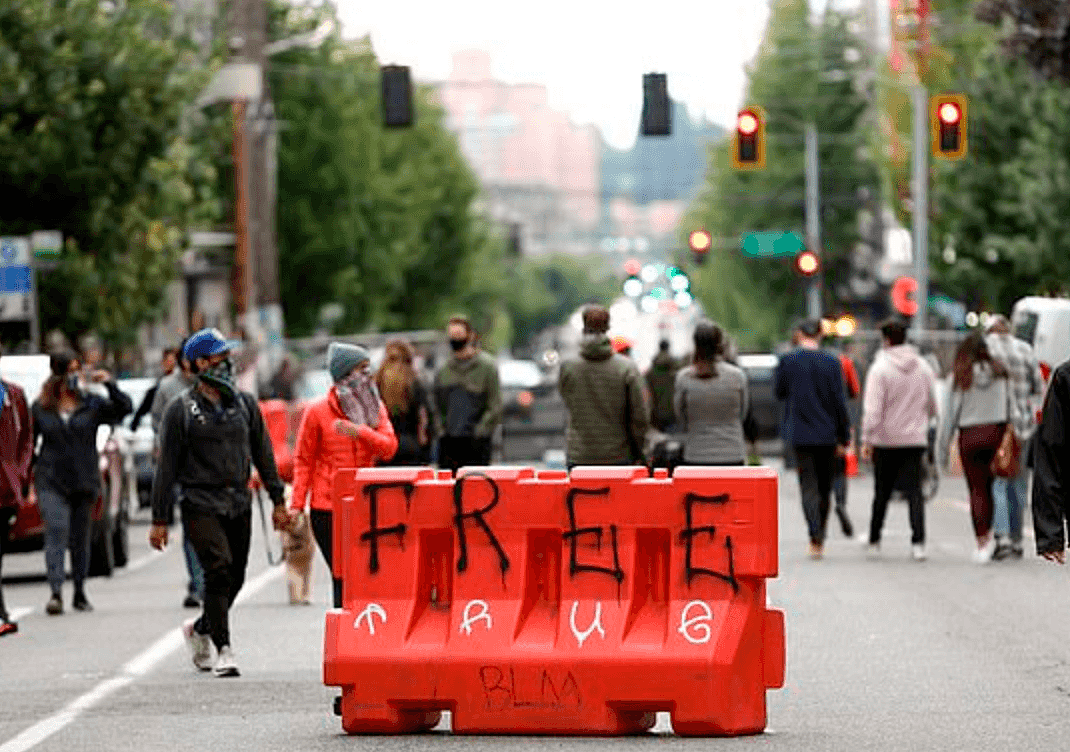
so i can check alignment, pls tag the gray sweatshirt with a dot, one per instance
(710, 413)
(986, 402)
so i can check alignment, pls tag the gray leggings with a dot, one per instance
(66, 521)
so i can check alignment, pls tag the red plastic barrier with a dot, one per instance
(544, 604)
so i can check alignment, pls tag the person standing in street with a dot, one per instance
(711, 402)
(210, 436)
(603, 393)
(468, 398)
(16, 452)
(1051, 468)
(407, 400)
(661, 383)
(980, 409)
(899, 402)
(67, 468)
(853, 389)
(350, 427)
(170, 386)
(816, 425)
(1009, 495)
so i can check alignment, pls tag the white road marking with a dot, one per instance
(135, 668)
(142, 561)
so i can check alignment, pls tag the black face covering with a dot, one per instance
(458, 344)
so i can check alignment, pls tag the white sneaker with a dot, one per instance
(200, 646)
(983, 555)
(225, 665)
(917, 552)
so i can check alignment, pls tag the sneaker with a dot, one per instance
(200, 646)
(1001, 551)
(226, 666)
(191, 601)
(917, 552)
(8, 627)
(845, 522)
(54, 607)
(817, 551)
(81, 603)
(873, 550)
(983, 554)
(1017, 551)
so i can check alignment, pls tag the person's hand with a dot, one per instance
(867, 453)
(1056, 557)
(841, 450)
(281, 518)
(346, 428)
(158, 536)
(100, 376)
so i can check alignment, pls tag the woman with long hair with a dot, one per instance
(67, 470)
(979, 409)
(406, 399)
(710, 402)
(350, 427)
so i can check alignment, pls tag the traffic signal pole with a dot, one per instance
(920, 97)
(813, 221)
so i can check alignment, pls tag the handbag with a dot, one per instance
(1007, 461)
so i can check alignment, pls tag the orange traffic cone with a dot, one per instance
(851, 460)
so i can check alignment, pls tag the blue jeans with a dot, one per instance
(67, 525)
(193, 568)
(1009, 497)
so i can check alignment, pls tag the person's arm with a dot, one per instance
(780, 379)
(872, 405)
(843, 418)
(159, 404)
(144, 407)
(492, 416)
(679, 403)
(640, 413)
(117, 406)
(382, 440)
(25, 440)
(172, 458)
(262, 453)
(1049, 464)
(949, 424)
(305, 457)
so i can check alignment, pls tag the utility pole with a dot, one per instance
(920, 96)
(813, 221)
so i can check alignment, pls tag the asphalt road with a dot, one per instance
(889, 654)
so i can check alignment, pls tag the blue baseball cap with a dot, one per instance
(205, 344)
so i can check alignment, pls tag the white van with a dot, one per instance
(1045, 324)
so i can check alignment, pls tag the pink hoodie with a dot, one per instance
(899, 399)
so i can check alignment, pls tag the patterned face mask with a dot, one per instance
(221, 377)
(359, 399)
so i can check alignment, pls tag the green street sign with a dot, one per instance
(771, 244)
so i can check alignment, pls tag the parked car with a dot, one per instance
(766, 409)
(533, 413)
(110, 515)
(1045, 324)
(138, 460)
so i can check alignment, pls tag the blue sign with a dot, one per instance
(14, 279)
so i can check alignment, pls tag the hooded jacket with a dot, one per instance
(1051, 465)
(899, 399)
(16, 444)
(986, 402)
(661, 380)
(468, 396)
(607, 412)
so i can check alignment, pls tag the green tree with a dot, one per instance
(95, 141)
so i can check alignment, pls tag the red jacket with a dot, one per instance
(16, 445)
(321, 450)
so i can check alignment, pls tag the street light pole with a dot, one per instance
(920, 97)
(813, 221)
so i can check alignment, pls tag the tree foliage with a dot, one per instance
(95, 141)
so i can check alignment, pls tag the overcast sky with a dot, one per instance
(590, 54)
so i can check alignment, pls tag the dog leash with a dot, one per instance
(272, 561)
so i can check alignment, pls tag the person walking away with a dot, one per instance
(468, 398)
(661, 384)
(603, 394)
(979, 409)
(67, 468)
(1051, 468)
(853, 389)
(16, 452)
(407, 401)
(711, 402)
(210, 436)
(900, 400)
(350, 427)
(179, 380)
(816, 425)
(168, 364)
(1009, 495)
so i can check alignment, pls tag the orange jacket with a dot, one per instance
(321, 450)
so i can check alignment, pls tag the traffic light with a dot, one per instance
(657, 109)
(903, 290)
(748, 144)
(397, 96)
(807, 263)
(700, 242)
(947, 116)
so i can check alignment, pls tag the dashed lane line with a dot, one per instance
(132, 670)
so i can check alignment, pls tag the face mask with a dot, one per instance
(72, 382)
(458, 344)
(221, 377)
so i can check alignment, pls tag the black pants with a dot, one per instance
(897, 467)
(7, 516)
(323, 532)
(816, 466)
(222, 546)
(458, 451)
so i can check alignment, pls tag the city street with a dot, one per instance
(886, 654)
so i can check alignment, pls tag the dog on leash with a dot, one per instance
(297, 551)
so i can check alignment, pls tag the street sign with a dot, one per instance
(16, 290)
(46, 243)
(771, 244)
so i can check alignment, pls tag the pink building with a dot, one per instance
(537, 168)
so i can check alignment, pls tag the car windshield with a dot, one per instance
(1026, 328)
(519, 374)
(314, 385)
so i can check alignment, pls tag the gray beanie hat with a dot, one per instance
(343, 358)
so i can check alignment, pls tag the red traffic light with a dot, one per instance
(699, 241)
(949, 113)
(947, 119)
(807, 263)
(747, 123)
(632, 267)
(903, 290)
(748, 143)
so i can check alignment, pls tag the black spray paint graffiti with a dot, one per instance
(460, 516)
(529, 689)
(687, 535)
(375, 532)
(574, 533)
